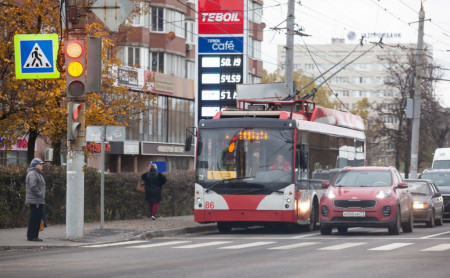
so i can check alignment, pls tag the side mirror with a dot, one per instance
(437, 194)
(325, 185)
(188, 143)
(303, 160)
(402, 185)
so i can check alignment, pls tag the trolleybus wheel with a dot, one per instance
(224, 227)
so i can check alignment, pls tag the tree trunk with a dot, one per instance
(32, 136)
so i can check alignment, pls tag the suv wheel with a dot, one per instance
(395, 229)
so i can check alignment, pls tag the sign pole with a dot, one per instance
(102, 179)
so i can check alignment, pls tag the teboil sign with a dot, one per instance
(221, 17)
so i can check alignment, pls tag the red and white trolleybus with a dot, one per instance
(237, 181)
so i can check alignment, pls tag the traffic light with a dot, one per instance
(73, 120)
(75, 61)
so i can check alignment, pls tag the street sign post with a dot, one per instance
(36, 56)
(112, 12)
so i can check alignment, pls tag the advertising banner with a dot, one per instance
(221, 17)
(220, 44)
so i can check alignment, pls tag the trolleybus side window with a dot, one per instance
(302, 156)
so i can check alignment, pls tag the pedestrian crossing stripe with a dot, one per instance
(186, 244)
(36, 56)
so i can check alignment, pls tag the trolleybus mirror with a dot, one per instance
(188, 143)
(303, 160)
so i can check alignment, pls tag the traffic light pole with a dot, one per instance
(417, 97)
(76, 20)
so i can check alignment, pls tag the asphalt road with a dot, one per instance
(258, 253)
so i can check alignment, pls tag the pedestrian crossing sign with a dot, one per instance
(36, 56)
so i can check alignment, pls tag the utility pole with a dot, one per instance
(289, 63)
(417, 95)
(76, 22)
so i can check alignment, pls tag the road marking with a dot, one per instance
(212, 243)
(440, 247)
(342, 246)
(391, 246)
(430, 236)
(160, 244)
(116, 243)
(292, 246)
(253, 244)
(302, 236)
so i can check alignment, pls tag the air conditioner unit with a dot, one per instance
(253, 71)
(189, 46)
(48, 154)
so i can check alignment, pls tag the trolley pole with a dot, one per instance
(289, 63)
(417, 96)
(75, 24)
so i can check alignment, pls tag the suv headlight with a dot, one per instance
(384, 194)
(330, 194)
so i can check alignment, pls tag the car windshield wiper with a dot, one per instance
(223, 181)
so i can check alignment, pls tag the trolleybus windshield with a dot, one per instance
(245, 160)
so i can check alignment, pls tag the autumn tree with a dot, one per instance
(37, 108)
(27, 107)
(390, 122)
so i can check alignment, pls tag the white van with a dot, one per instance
(441, 159)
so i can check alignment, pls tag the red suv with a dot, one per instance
(366, 197)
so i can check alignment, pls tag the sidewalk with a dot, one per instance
(113, 231)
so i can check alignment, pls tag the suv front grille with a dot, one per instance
(446, 202)
(355, 203)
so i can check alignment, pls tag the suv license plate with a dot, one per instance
(354, 214)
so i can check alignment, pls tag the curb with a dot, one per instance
(145, 235)
(176, 231)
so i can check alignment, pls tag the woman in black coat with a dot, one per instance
(153, 186)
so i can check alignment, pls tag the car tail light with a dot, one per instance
(324, 210)
(387, 211)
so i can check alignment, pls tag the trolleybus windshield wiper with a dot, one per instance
(223, 181)
(260, 189)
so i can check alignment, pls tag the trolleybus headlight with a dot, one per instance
(288, 200)
(304, 206)
(199, 200)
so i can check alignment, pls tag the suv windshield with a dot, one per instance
(440, 178)
(363, 178)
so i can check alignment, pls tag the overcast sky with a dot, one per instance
(326, 19)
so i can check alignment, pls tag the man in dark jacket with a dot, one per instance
(153, 188)
(35, 197)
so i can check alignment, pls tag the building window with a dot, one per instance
(175, 65)
(189, 31)
(157, 19)
(175, 23)
(133, 56)
(13, 158)
(157, 61)
(190, 69)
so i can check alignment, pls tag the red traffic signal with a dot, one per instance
(73, 120)
(75, 61)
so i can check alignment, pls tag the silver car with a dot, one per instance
(428, 203)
